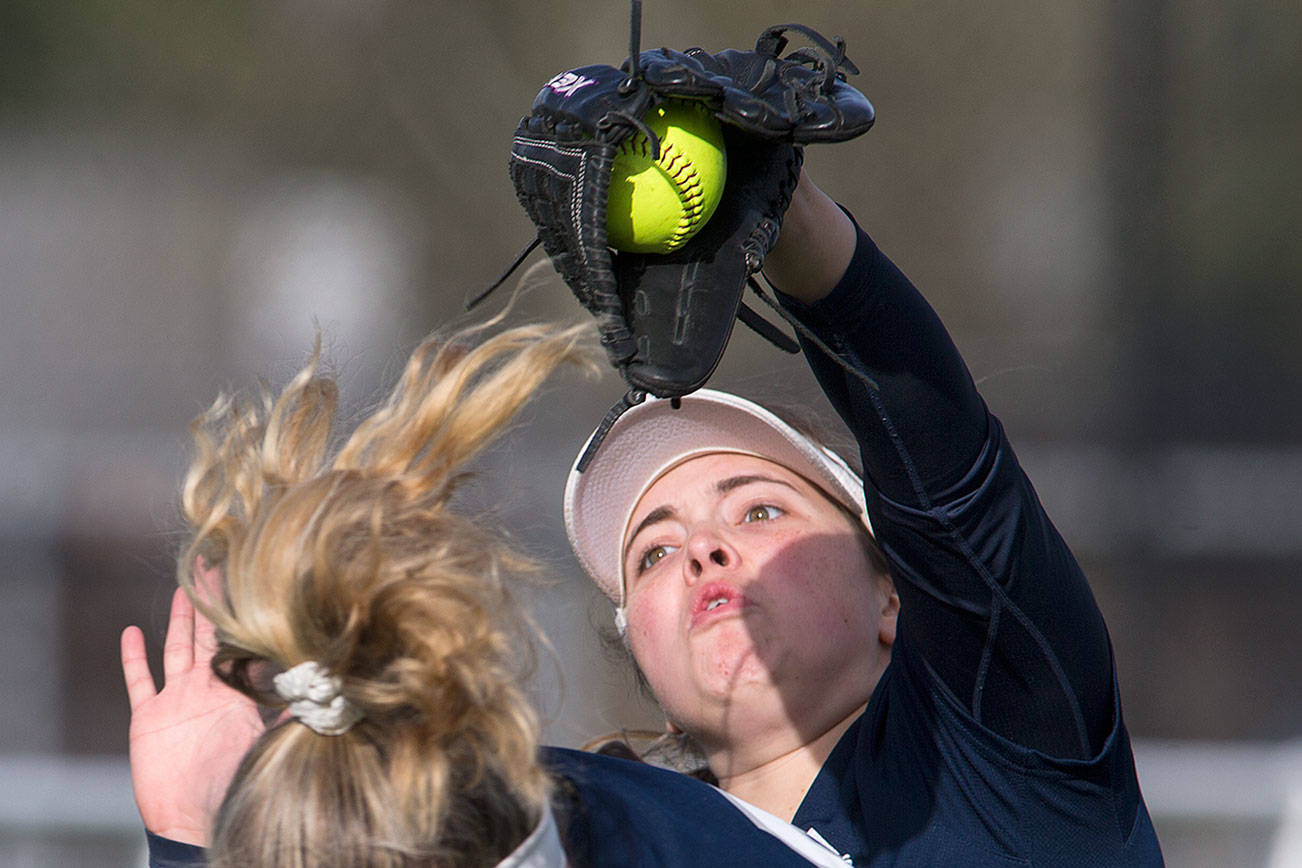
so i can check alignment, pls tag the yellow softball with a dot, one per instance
(657, 202)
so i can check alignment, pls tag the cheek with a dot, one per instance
(826, 588)
(648, 630)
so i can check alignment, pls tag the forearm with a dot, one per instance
(815, 247)
(921, 423)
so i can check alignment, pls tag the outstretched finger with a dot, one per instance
(207, 585)
(178, 647)
(135, 668)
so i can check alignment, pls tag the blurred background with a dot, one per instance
(1101, 199)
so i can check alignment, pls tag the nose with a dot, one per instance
(707, 549)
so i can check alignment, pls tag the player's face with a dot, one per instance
(750, 597)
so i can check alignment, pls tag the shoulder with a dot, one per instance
(620, 812)
(631, 789)
(919, 778)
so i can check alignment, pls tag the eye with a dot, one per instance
(763, 512)
(653, 556)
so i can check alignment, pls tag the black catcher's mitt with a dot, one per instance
(666, 318)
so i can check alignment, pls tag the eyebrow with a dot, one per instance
(723, 486)
(660, 513)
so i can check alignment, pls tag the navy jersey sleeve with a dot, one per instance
(166, 853)
(616, 812)
(991, 597)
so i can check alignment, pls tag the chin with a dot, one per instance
(727, 667)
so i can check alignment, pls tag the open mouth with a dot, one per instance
(713, 601)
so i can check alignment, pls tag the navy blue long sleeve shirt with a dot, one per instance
(995, 735)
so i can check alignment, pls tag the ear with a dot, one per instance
(888, 616)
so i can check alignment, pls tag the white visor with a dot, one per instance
(652, 438)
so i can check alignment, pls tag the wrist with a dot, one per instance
(815, 248)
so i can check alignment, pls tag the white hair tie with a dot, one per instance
(315, 698)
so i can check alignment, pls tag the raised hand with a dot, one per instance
(187, 739)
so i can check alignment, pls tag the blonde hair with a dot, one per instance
(354, 558)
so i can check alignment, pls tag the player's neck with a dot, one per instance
(778, 782)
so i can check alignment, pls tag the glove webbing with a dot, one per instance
(827, 56)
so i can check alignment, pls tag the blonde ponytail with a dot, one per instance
(354, 560)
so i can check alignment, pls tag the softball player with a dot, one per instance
(910, 666)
